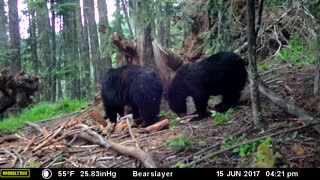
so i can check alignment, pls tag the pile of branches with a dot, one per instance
(17, 89)
(82, 136)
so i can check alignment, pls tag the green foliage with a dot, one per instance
(249, 148)
(168, 115)
(33, 163)
(5, 54)
(221, 117)
(180, 165)
(297, 52)
(172, 117)
(180, 142)
(264, 157)
(263, 67)
(66, 6)
(228, 142)
(43, 110)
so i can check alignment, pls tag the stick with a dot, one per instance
(238, 145)
(50, 138)
(131, 134)
(94, 137)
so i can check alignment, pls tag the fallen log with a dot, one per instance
(137, 153)
(288, 106)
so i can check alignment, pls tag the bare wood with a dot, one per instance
(158, 126)
(51, 137)
(131, 134)
(94, 137)
(29, 144)
(288, 106)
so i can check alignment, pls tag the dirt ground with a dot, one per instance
(299, 148)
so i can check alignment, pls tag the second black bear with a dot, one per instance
(133, 86)
(223, 74)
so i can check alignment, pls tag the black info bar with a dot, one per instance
(159, 173)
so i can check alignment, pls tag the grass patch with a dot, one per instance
(298, 52)
(40, 111)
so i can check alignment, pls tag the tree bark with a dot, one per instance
(33, 40)
(118, 19)
(94, 43)
(105, 60)
(53, 84)
(126, 15)
(3, 26)
(44, 40)
(317, 72)
(167, 43)
(144, 34)
(253, 74)
(71, 49)
(14, 36)
(86, 54)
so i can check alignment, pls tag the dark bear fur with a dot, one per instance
(223, 74)
(133, 86)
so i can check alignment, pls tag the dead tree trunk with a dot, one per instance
(317, 73)
(253, 74)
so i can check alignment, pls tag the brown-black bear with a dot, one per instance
(136, 87)
(223, 73)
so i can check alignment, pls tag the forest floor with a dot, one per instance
(298, 147)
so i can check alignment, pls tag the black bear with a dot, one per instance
(223, 74)
(132, 86)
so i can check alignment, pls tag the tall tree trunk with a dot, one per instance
(126, 15)
(53, 53)
(253, 74)
(133, 14)
(44, 40)
(167, 25)
(105, 60)
(118, 18)
(317, 73)
(161, 24)
(14, 36)
(71, 49)
(144, 34)
(60, 57)
(3, 35)
(94, 43)
(86, 54)
(33, 41)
